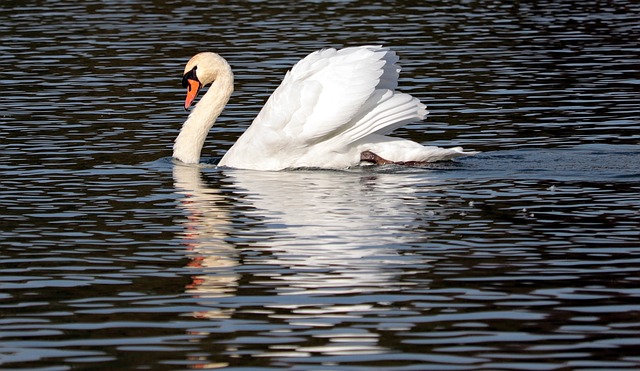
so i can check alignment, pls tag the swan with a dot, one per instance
(333, 110)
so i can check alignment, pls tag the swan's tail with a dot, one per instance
(398, 150)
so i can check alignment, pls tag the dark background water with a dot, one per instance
(525, 257)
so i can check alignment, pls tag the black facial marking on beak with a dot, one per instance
(191, 75)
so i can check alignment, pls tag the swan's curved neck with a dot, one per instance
(189, 142)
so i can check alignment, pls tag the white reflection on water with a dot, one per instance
(335, 232)
(205, 228)
(331, 232)
(315, 233)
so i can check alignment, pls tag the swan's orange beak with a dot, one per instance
(193, 88)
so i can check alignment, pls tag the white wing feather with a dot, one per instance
(327, 109)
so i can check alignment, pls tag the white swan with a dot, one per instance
(333, 110)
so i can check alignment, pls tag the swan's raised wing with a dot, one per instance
(328, 106)
(330, 94)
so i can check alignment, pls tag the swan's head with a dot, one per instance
(201, 70)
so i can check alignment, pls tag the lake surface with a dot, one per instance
(525, 257)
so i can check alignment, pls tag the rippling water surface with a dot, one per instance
(525, 257)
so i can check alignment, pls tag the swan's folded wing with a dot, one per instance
(323, 94)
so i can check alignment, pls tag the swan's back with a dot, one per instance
(328, 104)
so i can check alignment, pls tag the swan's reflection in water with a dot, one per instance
(273, 243)
(335, 232)
(329, 231)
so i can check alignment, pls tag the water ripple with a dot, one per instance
(523, 257)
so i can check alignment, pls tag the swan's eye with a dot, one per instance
(191, 75)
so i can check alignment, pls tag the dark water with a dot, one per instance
(526, 257)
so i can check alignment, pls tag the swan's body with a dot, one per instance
(333, 110)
